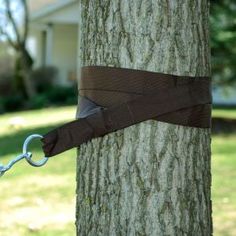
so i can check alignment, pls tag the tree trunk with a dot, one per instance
(152, 178)
(25, 68)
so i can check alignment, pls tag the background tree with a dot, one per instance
(14, 27)
(152, 178)
(223, 42)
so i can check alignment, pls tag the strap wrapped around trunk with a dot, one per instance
(115, 98)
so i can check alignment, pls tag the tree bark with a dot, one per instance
(26, 63)
(152, 178)
(22, 78)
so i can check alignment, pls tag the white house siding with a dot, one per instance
(61, 52)
(35, 46)
(54, 39)
(64, 52)
(68, 14)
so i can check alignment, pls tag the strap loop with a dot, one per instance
(117, 98)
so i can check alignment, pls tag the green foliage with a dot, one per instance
(54, 95)
(44, 78)
(2, 108)
(223, 41)
(38, 101)
(11, 103)
(62, 95)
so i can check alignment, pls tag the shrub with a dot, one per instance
(2, 108)
(39, 101)
(44, 78)
(62, 95)
(13, 102)
(6, 84)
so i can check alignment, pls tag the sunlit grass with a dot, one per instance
(224, 184)
(41, 201)
(36, 201)
(224, 113)
(11, 122)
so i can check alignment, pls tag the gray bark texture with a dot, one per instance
(152, 178)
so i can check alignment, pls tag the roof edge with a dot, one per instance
(47, 10)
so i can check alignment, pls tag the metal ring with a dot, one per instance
(28, 155)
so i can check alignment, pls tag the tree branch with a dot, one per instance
(9, 39)
(26, 20)
(12, 20)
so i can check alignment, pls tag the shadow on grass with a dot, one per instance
(223, 126)
(12, 143)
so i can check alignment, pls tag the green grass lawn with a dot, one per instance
(41, 201)
(36, 201)
(224, 113)
(224, 184)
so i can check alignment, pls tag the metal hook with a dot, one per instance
(3, 168)
(27, 155)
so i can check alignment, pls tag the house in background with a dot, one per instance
(35, 5)
(54, 37)
(54, 41)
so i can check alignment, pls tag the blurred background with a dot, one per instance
(38, 74)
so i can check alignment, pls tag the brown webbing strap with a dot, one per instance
(129, 97)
